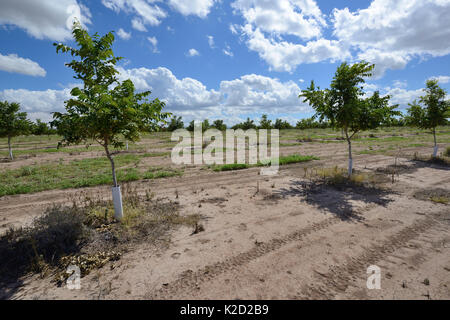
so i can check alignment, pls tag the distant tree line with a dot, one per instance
(430, 111)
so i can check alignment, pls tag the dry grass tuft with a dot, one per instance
(338, 177)
(87, 235)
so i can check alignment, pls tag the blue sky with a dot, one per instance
(227, 59)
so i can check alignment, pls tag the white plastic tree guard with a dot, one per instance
(435, 151)
(117, 200)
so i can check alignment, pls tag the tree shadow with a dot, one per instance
(36, 249)
(413, 166)
(337, 198)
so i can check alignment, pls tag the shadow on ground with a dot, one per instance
(337, 199)
(413, 166)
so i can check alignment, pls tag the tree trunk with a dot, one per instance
(10, 149)
(113, 167)
(350, 158)
(116, 193)
(435, 151)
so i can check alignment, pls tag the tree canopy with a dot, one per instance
(104, 109)
(435, 112)
(12, 122)
(345, 105)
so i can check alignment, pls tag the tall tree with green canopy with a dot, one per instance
(219, 125)
(265, 123)
(344, 104)
(435, 112)
(175, 123)
(13, 123)
(104, 110)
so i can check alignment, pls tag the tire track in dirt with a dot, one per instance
(339, 278)
(190, 280)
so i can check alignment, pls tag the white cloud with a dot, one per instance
(183, 94)
(146, 12)
(211, 41)
(268, 22)
(399, 93)
(400, 84)
(384, 60)
(187, 97)
(123, 34)
(199, 8)
(138, 25)
(286, 56)
(227, 51)
(234, 28)
(44, 19)
(149, 13)
(299, 18)
(154, 42)
(38, 104)
(192, 53)
(403, 96)
(256, 93)
(15, 64)
(441, 79)
(390, 33)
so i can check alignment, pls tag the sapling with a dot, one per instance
(104, 109)
(435, 113)
(13, 123)
(345, 105)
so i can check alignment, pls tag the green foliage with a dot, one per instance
(280, 124)
(295, 158)
(175, 123)
(75, 174)
(100, 111)
(12, 122)
(205, 125)
(191, 126)
(219, 125)
(41, 128)
(104, 110)
(264, 123)
(248, 124)
(344, 104)
(231, 167)
(435, 111)
(311, 123)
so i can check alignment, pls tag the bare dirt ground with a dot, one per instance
(275, 237)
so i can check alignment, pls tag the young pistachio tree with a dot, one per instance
(104, 110)
(435, 112)
(12, 123)
(345, 106)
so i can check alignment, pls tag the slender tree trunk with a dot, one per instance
(435, 151)
(113, 167)
(10, 149)
(116, 192)
(350, 158)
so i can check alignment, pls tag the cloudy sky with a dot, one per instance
(221, 59)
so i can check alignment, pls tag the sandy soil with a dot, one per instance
(274, 237)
